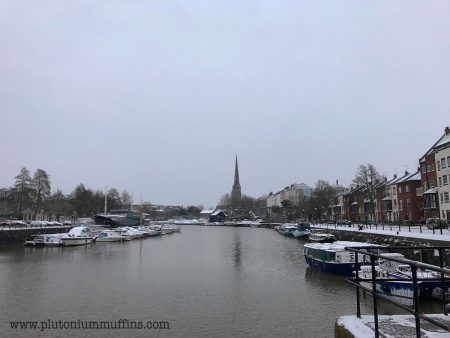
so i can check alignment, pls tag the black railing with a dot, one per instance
(374, 253)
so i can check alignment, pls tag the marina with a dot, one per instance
(195, 278)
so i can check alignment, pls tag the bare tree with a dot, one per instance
(41, 186)
(126, 198)
(368, 177)
(321, 198)
(22, 186)
(225, 201)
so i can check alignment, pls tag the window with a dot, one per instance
(442, 198)
(440, 182)
(446, 197)
(439, 165)
(394, 191)
(443, 163)
(432, 167)
(395, 203)
(399, 190)
(407, 188)
(408, 202)
(424, 169)
(428, 168)
(431, 183)
(448, 161)
(444, 180)
(401, 205)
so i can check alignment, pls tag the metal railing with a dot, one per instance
(374, 254)
(397, 227)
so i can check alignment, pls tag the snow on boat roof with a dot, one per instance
(392, 254)
(337, 246)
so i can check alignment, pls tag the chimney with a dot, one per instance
(395, 175)
(337, 182)
(406, 172)
(447, 130)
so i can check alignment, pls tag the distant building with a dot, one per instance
(6, 202)
(206, 214)
(295, 194)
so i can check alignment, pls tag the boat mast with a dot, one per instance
(106, 200)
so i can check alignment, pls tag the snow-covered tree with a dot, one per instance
(22, 187)
(41, 186)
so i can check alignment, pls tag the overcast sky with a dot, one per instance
(157, 97)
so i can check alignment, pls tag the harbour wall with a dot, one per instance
(22, 234)
(386, 239)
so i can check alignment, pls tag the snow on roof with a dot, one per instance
(354, 203)
(414, 177)
(387, 198)
(216, 212)
(444, 140)
(430, 191)
(205, 212)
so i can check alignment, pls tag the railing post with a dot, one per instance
(416, 300)
(375, 299)
(444, 286)
(358, 305)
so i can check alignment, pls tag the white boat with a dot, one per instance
(156, 229)
(303, 230)
(287, 229)
(45, 240)
(135, 233)
(168, 229)
(129, 233)
(319, 237)
(77, 236)
(110, 236)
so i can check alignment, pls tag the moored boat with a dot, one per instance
(318, 237)
(110, 236)
(45, 240)
(303, 230)
(332, 257)
(430, 281)
(400, 290)
(287, 229)
(77, 236)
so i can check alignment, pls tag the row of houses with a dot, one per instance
(410, 197)
(295, 195)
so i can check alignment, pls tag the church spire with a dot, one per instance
(236, 175)
(236, 190)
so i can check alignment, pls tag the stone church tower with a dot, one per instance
(236, 190)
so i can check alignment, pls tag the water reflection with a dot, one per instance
(237, 254)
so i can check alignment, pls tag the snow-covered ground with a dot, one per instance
(393, 326)
(394, 230)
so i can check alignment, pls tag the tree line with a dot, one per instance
(31, 196)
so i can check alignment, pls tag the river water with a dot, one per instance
(204, 281)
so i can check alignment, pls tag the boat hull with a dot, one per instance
(345, 269)
(402, 292)
(76, 241)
